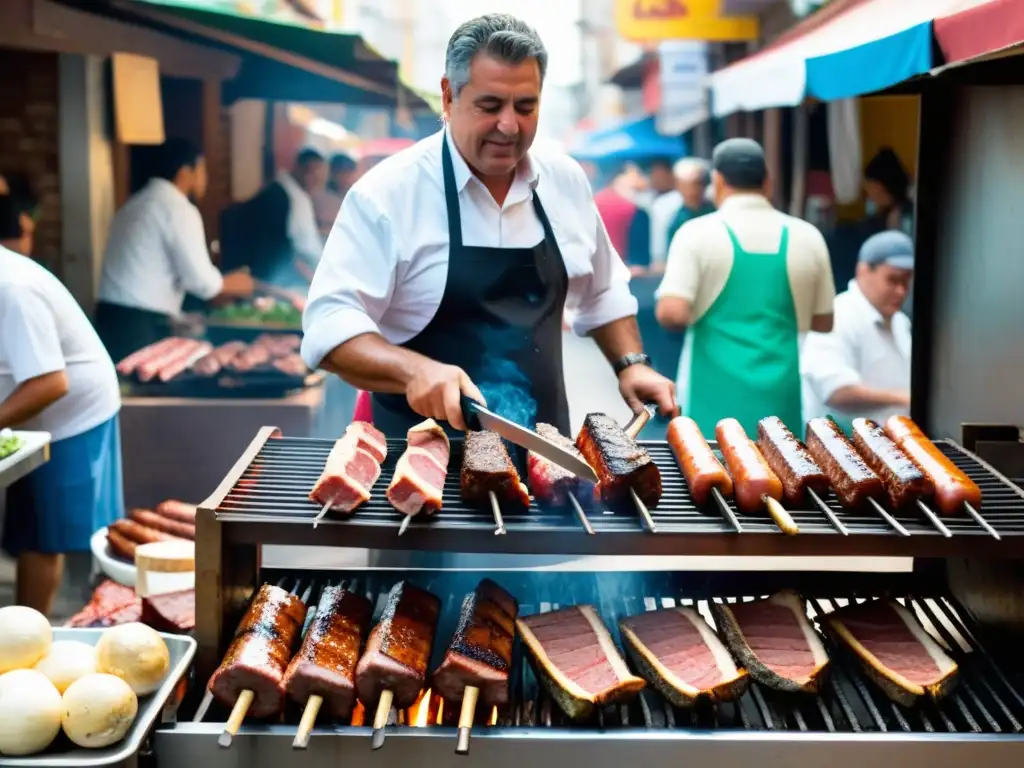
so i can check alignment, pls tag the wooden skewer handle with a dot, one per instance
(238, 713)
(469, 699)
(380, 718)
(308, 721)
(781, 517)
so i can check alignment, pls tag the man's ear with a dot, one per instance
(446, 97)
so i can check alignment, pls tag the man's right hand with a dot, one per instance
(435, 390)
(239, 283)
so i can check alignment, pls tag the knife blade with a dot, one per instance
(476, 414)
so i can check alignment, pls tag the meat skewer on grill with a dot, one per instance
(393, 668)
(351, 469)
(488, 475)
(704, 474)
(325, 666)
(477, 664)
(552, 484)
(418, 482)
(756, 486)
(250, 679)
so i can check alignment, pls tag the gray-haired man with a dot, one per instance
(451, 262)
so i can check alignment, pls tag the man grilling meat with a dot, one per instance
(452, 262)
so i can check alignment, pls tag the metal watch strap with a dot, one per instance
(624, 362)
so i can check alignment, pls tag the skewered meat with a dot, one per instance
(260, 651)
(486, 467)
(576, 660)
(620, 463)
(398, 650)
(418, 481)
(848, 474)
(170, 611)
(480, 653)
(291, 364)
(326, 662)
(249, 358)
(163, 524)
(550, 483)
(128, 365)
(897, 653)
(277, 344)
(681, 656)
(350, 471)
(369, 438)
(181, 364)
(177, 510)
(752, 477)
(168, 358)
(207, 365)
(701, 468)
(140, 534)
(953, 488)
(774, 641)
(789, 459)
(904, 482)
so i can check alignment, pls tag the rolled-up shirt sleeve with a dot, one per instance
(191, 257)
(828, 363)
(31, 343)
(354, 281)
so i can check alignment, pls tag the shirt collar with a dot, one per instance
(866, 306)
(163, 184)
(745, 201)
(526, 171)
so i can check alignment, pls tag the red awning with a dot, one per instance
(980, 27)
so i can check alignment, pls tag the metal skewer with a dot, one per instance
(380, 719)
(204, 706)
(889, 518)
(934, 519)
(574, 502)
(469, 700)
(637, 423)
(499, 523)
(982, 522)
(832, 518)
(405, 523)
(320, 515)
(781, 517)
(727, 512)
(644, 512)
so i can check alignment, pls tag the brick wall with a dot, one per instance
(29, 142)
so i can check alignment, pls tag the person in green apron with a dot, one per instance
(747, 282)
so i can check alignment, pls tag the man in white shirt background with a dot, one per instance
(665, 202)
(862, 368)
(55, 376)
(156, 253)
(341, 176)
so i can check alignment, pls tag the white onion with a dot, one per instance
(30, 712)
(98, 710)
(135, 653)
(67, 661)
(25, 637)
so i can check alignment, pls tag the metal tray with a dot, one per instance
(63, 753)
(33, 453)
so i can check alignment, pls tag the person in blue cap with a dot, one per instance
(862, 368)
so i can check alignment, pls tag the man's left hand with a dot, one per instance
(640, 384)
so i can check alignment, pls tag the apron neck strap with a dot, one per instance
(451, 195)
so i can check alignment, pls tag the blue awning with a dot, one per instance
(630, 141)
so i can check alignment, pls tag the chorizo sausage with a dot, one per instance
(751, 476)
(953, 488)
(121, 546)
(701, 468)
(851, 478)
(177, 510)
(140, 534)
(904, 482)
(789, 459)
(163, 524)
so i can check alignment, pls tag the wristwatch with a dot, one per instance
(635, 358)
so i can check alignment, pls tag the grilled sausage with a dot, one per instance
(121, 546)
(848, 474)
(163, 524)
(752, 477)
(953, 488)
(904, 482)
(789, 459)
(140, 534)
(177, 510)
(701, 468)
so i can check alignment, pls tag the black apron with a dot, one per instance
(124, 330)
(500, 320)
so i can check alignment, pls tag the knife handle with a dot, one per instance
(469, 413)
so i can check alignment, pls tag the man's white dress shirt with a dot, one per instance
(662, 211)
(303, 230)
(44, 330)
(156, 253)
(862, 349)
(385, 265)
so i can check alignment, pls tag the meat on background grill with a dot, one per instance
(398, 650)
(487, 468)
(619, 461)
(259, 654)
(849, 475)
(129, 364)
(325, 664)
(896, 652)
(291, 364)
(177, 510)
(576, 660)
(163, 524)
(903, 481)
(789, 459)
(752, 478)
(681, 656)
(351, 469)
(418, 481)
(774, 641)
(953, 488)
(550, 483)
(480, 653)
(701, 468)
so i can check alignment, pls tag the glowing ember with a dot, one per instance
(419, 713)
(494, 716)
(359, 714)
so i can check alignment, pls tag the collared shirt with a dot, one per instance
(662, 210)
(156, 253)
(303, 231)
(44, 330)
(385, 266)
(862, 349)
(700, 258)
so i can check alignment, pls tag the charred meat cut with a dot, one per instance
(620, 462)
(487, 468)
(790, 460)
(576, 660)
(904, 482)
(897, 653)
(170, 611)
(681, 656)
(418, 482)
(850, 477)
(326, 662)
(398, 650)
(259, 654)
(550, 483)
(480, 653)
(774, 640)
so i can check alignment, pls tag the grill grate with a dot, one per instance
(985, 701)
(274, 488)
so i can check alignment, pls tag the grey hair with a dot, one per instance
(692, 166)
(500, 35)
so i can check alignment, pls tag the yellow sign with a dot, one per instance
(651, 20)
